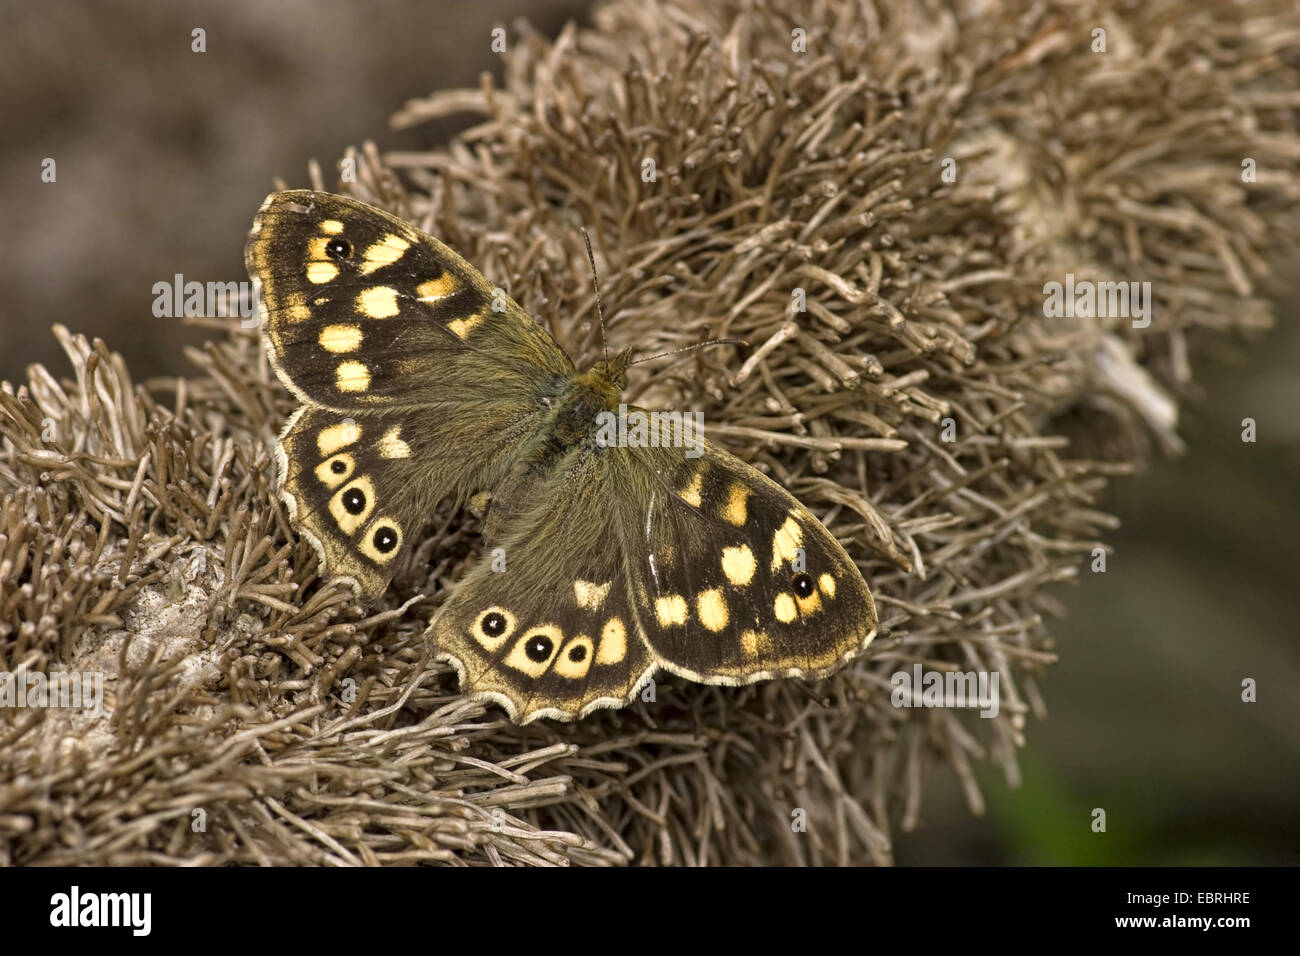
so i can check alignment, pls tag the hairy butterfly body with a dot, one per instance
(606, 562)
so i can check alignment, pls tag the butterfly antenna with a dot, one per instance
(591, 257)
(691, 348)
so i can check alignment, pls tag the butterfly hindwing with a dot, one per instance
(543, 629)
(735, 580)
(701, 566)
(346, 483)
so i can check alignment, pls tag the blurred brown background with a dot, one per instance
(164, 155)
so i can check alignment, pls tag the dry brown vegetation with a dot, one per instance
(139, 535)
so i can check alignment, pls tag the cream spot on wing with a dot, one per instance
(331, 226)
(671, 610)
(613, 642)
(735, 511)
(754, 643)
(383, 253)
(321, 272)
(333, 437)
(316, 249)
(827, 583)
(575, 660)
(431, 290)
(351, 377)
(784, 609)
(296, 308)
(590, 596)
(711, 606)
(691, 493)
(809, 605)
(738, 565)
(786, 543)
(549, 638)
(462, 327)
(378, 302)
(340, 338)
(392, 445)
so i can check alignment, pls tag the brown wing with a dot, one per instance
(362, 310)
(399, 346)
(735, 580)
(545, 626)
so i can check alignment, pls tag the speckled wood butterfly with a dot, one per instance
(607, 562)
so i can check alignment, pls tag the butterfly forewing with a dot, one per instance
(362, 310)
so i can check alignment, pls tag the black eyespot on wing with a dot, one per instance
(338, 249)
(803, 585)
(578, 653)
(494, 624)
(338, 466)
(385, 540)
(538, 648)
(354, 501)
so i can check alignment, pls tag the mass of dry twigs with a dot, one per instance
(254, 714)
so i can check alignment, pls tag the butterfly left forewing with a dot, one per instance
(363, 310)
(735, 580)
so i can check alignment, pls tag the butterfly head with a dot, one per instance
(613, 372)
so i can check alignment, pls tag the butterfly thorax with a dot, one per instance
(572, 420)
(574, 411)
(567, 430)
